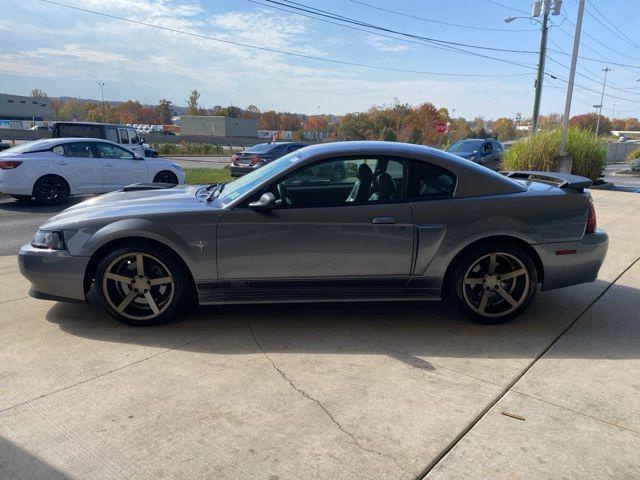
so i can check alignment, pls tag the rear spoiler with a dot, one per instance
(135, 187)
(562, 180)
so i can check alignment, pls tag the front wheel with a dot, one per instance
(494, 283)
(166, 177)
(141, 284)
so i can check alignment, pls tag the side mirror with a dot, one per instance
(142, 140)
(266, 202)
(137, 157)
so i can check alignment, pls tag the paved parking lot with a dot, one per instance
(340, 391)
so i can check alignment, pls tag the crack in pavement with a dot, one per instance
(318, 403)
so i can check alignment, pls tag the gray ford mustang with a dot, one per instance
(406, 222)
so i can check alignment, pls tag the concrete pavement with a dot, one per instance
(330, 391)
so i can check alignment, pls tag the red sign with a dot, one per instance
(441, 127)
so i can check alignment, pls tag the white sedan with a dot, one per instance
(53, 169)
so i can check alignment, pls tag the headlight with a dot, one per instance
(48, 239)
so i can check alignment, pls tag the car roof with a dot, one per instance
(47, 143)
(119, 125)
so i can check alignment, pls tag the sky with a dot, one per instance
(66, 52)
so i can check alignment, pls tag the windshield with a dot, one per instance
(465, 146)
(246, 183)
(23, 147)
(260, 148)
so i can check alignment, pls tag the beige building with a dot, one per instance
(218, 126)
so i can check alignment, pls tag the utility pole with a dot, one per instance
(564, 161)
(541, 61)
(102, 94)
(604, 84)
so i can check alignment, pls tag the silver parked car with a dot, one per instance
(406, 222)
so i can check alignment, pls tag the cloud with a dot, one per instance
(387, 45)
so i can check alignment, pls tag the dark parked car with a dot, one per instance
(259, 155)
(484, 151)
(408, 222)
(126, 136)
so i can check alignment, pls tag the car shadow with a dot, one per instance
(30, 206)
(406, 331)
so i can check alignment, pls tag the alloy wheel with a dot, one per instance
(496, 284)
(51, 191)
(138, 286)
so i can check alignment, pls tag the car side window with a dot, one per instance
(124, 136)
(486, 148)
(79, 149)
(292, 148)
(342, 181)
(428, 181)
(133, 137)
(106, 150)
(111, 134)
(58, 150)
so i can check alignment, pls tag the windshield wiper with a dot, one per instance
(216, 188)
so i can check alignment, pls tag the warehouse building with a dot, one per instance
(218, 126)
(17, 107)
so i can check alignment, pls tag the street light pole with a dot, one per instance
(604, 84)
(564, 161)
(102, 94)
(541, 61)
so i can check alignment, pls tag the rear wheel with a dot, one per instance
(494, 283)
(51, 190)
(166, 177)
(141, 285)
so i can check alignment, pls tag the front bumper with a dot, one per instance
(562, 269)
(54, 274)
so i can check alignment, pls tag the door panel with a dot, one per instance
(337, 243)
(120, 166)
(77, 163)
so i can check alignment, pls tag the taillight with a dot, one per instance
(591, 220)
(9, 164)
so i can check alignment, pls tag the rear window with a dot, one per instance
(112, 134)
(261, 148)
(466, 146)
(83, 131)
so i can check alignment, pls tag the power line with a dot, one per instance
(507, 7)
(440, 22)
(273, 50)
(325, 13)
(620, 34)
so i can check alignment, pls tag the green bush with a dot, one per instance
(186, 148)
(539, 151)
(634, 165)
(632, 155)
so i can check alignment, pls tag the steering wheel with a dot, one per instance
(285, 196)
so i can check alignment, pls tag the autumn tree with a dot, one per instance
(478, 128)
(588, 121)
(269, 120)
(549, 122)
(164, 111)
(355, 126)
(192, 103)
(459, 129)
(252, 112)
(388, 135)
(504, 129)
(632, 124)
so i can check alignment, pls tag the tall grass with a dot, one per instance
(632, 155)
(539, 151)
(189, 148)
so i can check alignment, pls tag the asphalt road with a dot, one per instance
(19, 221)
(622, 182)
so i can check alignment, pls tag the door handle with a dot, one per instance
(62, 163)
(383, 220)
(108, 164)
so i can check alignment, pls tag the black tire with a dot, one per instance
(51, 190)
(127, 301)
(166, 176)
(22, 198)
(496, 297)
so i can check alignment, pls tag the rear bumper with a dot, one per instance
(238, 171)
(562, 268)
(54, 274)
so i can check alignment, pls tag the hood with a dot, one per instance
(466, 153)
(116, 205)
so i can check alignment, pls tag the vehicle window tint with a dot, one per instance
(430, 181)
(78, 150)
(486, 148)
(58, 150)
(84, 131)
(133, 137)
(106, 150)
(112, 134)
(342, 181)
(124, 136)
(293, 148)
